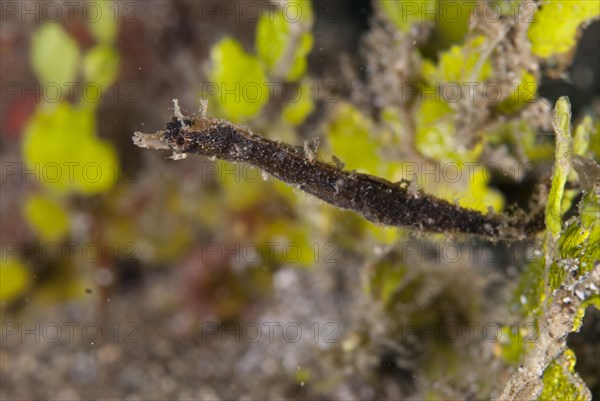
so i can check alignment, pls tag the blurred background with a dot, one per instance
(126, 274)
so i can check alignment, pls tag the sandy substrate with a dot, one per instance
(144, 347)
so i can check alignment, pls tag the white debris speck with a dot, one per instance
(177, 111)
(523, 300)
(378, 251)
(580, 295)
(339, 184)
(203, 107)
(103, 277)
(178, 156)
(284, 279)
(413, 187)
(311, 149)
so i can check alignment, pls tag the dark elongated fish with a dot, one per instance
(377, 199)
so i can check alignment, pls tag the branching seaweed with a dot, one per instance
(570, 284)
